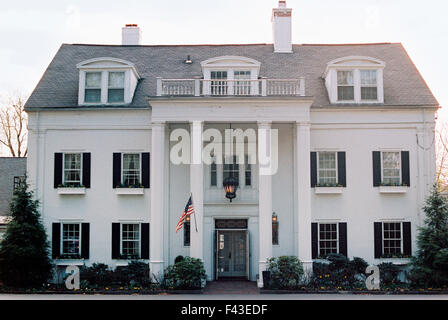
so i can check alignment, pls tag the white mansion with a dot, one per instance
(355, 126)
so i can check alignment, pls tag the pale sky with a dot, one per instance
(32, 31)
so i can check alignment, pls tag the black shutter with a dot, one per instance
(145, 169)
(313, 159)
(341, 169)
(376, 155)
(57, 169)
(314, 246)
(116, 241)
(378, 233)
(407, 241)
(86, 170)
(145, 241)
(343, 238)
(56, 240)
(116, 177)
(405, 176)
(85, 240)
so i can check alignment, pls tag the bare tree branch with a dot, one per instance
(13, 124)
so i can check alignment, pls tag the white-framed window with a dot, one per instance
(355, 79)
(218, 83)
(213, 173)
(71, 239)
(328, 239)
(327, 172)
(130, 240)
(115, 92)
(92, 92)
(391, 167)
(346, 85)
(131, 169)
(72, 176)
(392, 238)
(247, 172)
(369, 86)
(242, 84)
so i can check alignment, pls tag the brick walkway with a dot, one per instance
(231, 287)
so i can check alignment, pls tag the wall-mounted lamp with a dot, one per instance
(230, 185)
(274, 217)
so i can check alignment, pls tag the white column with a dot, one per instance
(197, 190)
(264, 200)
(157, 198)
(304, 193)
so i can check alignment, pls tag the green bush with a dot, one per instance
(188, 273)
(389, 274)
(338, 273)
(286, 272)
(99, 275)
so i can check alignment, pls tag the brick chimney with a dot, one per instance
(282, 28)
(131, 35)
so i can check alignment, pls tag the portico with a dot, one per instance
(260, 114)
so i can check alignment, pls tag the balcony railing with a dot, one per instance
(241, 87)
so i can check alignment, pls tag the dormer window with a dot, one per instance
(355, 80)
(104, 81)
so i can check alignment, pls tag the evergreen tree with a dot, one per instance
(430, 265)
(24, 251)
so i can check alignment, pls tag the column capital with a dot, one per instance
(303, 123)
(264, 123)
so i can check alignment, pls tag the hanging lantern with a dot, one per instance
(230, 185)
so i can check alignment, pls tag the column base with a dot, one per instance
(156, 270)
(262, 266)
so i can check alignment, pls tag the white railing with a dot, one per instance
(221, 87)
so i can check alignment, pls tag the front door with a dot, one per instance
(232, 253)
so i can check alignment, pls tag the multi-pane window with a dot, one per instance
(327, 168)
(391, 164)
(247, 172)
(72, 169)
(242, 87)
(131, 169)
(346, 87)
(130, 239)
(92, 92)
(392, 238)
(115, 91)
(328, 239)
(213, 173)
(218, 83)
(71, 239)
(187, 233)
(275, 232)
(18, 182)
(369, 90)
(231, 169)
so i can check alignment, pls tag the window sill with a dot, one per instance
(393, 189)
(69, 262)
(129, 191)
(125, 262)
(72, 190)
(395, 261)
(328, 190)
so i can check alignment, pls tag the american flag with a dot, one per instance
(189, 210)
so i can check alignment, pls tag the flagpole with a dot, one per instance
(195, 222)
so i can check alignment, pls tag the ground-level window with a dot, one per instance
(130, 240)
(72, 169)
(187, 232)
(213, 173)
(275, 233)
(18, 182)
(131, 169)
(328, 238)
(71, 239)
(247, 172)
(392, 238)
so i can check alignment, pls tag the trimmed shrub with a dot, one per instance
(286, 272)
(178, 259)
(189, 273)
(389, 274)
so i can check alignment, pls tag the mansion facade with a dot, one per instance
(356, 159)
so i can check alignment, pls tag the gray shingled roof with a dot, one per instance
(58, 88)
